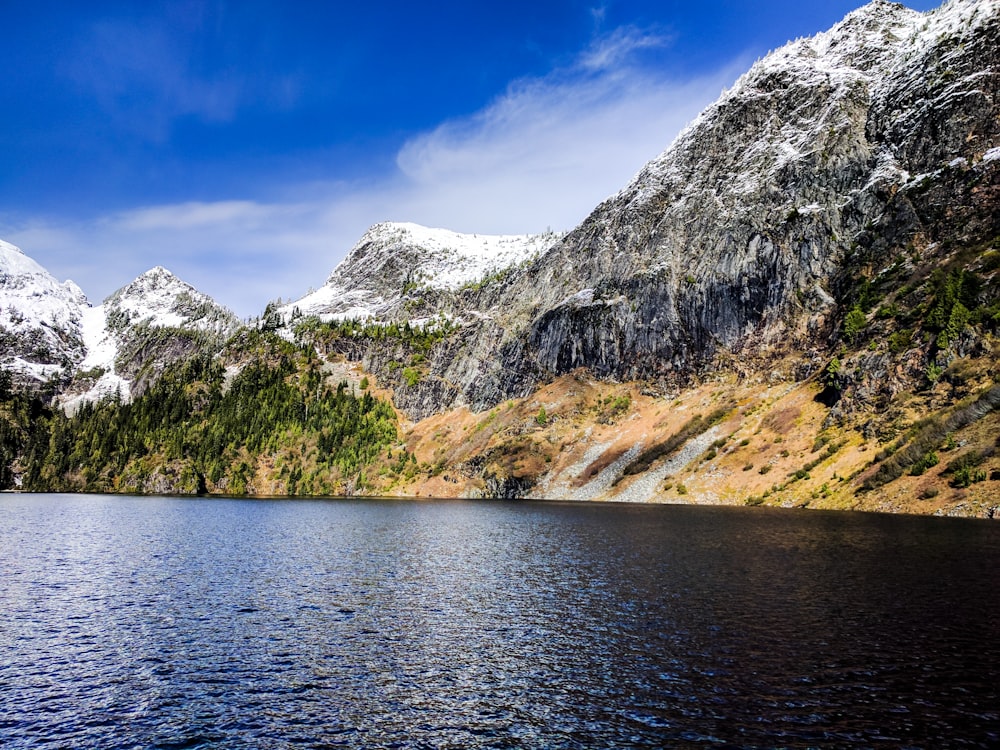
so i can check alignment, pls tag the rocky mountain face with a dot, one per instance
(52, 336)
(399, 271)
(745, 240)
(797, 303)
(139, 330)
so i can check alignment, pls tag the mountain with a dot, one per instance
(40, 320)
(145, 326)
(741, 244)
(738, 248)
(52, 335)
(796, 303)
(828, 228)
(395, 266)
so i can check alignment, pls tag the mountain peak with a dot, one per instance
(156, 271)
(158, 276)
(395, 259)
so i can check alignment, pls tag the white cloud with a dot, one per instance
(540, 156)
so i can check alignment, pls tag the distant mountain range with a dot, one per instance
(820, 243)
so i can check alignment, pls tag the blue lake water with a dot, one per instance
(186, 623)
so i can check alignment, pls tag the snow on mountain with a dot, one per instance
(115, 333)
(40, 318)
(392, 260)
(739, 244)
(160, 299)
(882, 58)
(738, 238)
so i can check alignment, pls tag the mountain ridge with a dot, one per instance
(811, 267)
(55, 337)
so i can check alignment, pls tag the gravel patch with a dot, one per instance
(647, 486)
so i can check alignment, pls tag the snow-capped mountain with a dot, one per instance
(129, 337)
(740, 245)
(48, 330)
(395, 261)
(40, 318)
(828, 159)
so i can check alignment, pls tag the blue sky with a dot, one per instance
(247, 145)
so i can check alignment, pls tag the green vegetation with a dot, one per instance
(929, 459)
(612, 407)
(964, 469)
(955, 295)
(18, 411)
(926, 436)
(494, 277)
(418, 338)
(279, 420)
(411, 376)
(854, 324)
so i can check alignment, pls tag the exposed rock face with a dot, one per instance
(828, 158)
(734, 238)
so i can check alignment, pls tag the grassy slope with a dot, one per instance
(773, 446)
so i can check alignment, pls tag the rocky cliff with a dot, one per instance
(40, 319)
(141, 329)
(746, 240)
(52, 337)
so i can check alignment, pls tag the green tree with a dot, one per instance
(854, 323)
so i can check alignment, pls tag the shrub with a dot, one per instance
(854, 323)
(926, 461)
(966, 476)
(929, 434)
(411, 375)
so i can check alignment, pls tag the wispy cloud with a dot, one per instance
(551, 148)
(542, 155)
(617, 48)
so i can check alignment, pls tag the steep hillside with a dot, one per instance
(747, 239)
(870, 146)
(829, 227)
(261, 416)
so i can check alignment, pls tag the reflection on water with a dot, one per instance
(172, 623)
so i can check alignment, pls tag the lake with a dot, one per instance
(216, 623)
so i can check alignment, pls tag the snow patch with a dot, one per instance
(992, 155)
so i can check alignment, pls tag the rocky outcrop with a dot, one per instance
(400, 271)
(734, 239)
(153, 322)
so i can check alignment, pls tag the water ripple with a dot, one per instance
(167, 623)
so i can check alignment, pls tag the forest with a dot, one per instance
(262, 418)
